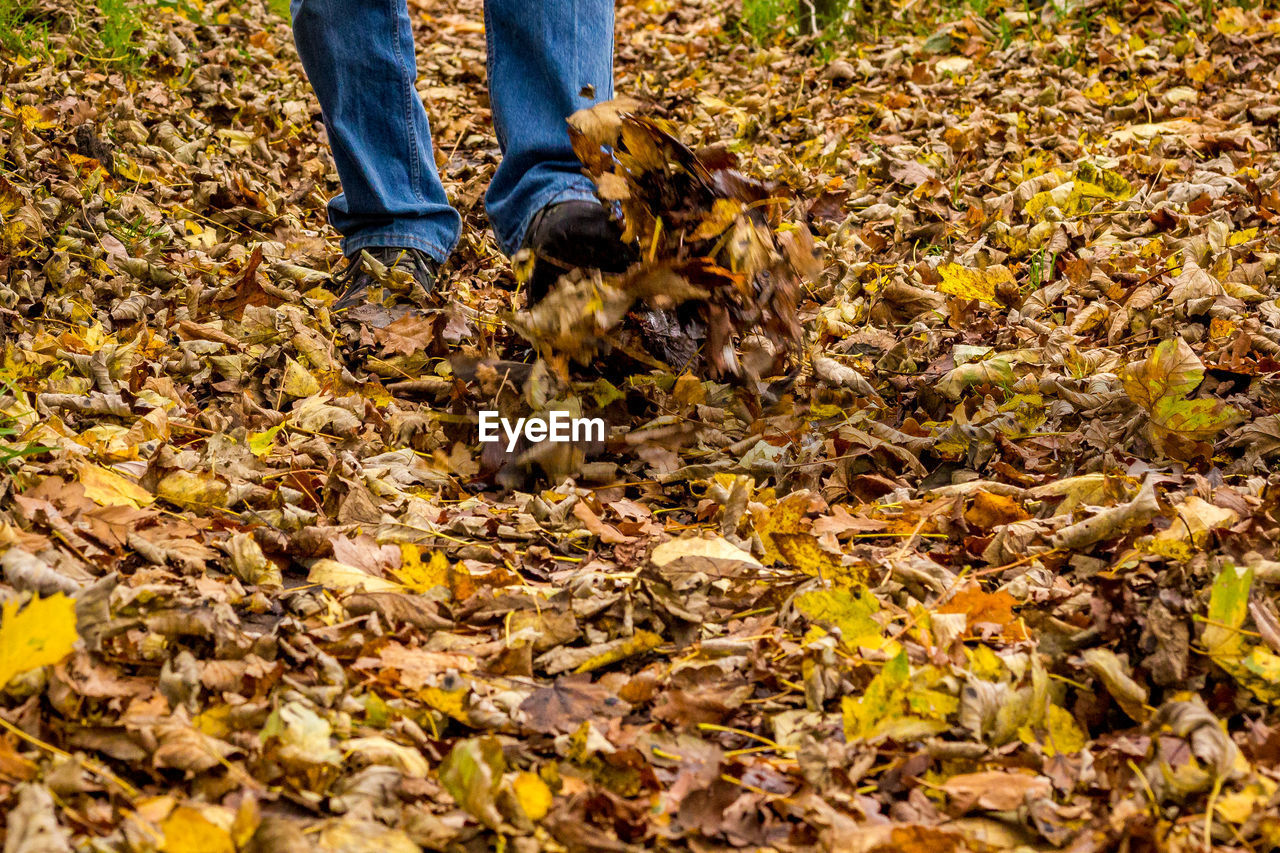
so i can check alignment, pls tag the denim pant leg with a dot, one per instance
(547, 59)
(359, 57)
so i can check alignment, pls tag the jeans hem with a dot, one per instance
(398, 240)
(512, 242)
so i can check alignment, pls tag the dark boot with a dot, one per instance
(573, 234)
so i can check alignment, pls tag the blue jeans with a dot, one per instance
(547, 59)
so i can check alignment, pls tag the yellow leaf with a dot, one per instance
(974, 284)
(881, 710)
(248, 818)
(783, 518)
(33, 118)
(1200, 71)
(298, 382)
(1221, 328)
(260, 443)
(1172, 371)
(1239, 806)
(847, 611)
(1062, 734)
(1240, 237)
(127, 168)
(237, 140)
(1231, 20)
(1098, 92)
(215, 722)
(1093, 182)
(637, 644)
(1259, 671)
(1196, 517)
(192, 490)
(188, 831)
(533, 794)
(340, 576)
(42, 634)
(985, 663)
(419, 576)
(450, 702)
(111, 489)
(881, 700)
(10, 198)
(802, 551)
(1228, 607)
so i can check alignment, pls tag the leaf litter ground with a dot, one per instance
(985, 560)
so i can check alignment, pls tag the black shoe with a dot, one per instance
(407, 273)
(573, 234)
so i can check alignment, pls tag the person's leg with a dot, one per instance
(547, 59)
(359, 57)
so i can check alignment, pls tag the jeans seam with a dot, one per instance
(613, 37)
(406, 84)
(490, 56)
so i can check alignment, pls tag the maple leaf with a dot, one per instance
(407, 335)
(1161, 383)
(992, 609)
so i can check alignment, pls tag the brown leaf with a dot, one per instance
(407, 335)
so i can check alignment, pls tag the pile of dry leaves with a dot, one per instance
(960, 537)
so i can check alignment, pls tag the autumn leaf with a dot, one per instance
(847, 611)
(638, 644)
(108, 488)
(1061, 734)
(1094, 182)
(419, 576)
(802, 551)
(533, 795)
(988, 511)
(784, 517)
(186, 830)
(1161, 384)
(298, 381)
(1171, 372)
(979, 284)
(247, 291)
(985, 611)
(882, 709)
(995, 790)
(970, 301)
(407, 335)
(1194, 419)
(1228, 608)
(42, 633)
(472, 774)
(339, 576)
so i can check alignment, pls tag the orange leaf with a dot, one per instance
(986, 608)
